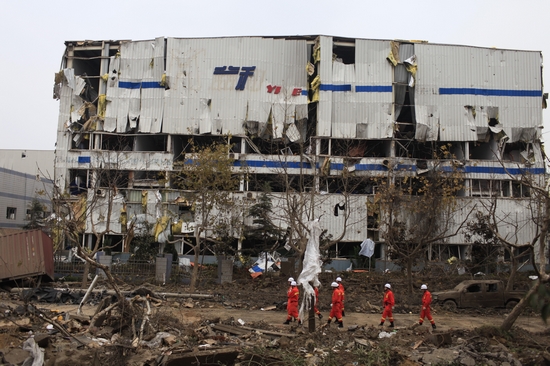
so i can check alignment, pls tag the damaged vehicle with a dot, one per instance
(478, 293)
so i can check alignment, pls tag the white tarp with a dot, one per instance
(312, 266)
(367, 248)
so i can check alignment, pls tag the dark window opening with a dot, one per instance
(148, 179)
(79, 181)
(517, 152)
(520, 190)
(11, 213)
(117, 142)
(151, 143)
(481, 151)
(344, 53)
(113, 178)
(80, 141)
(474, 288)
(181, 144)
(492, 287)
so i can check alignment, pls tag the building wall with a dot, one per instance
(327, 95)
(24, 175)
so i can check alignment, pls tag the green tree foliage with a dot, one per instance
(36, 215)
(264, 232)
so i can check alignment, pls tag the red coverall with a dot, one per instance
(337, 303)
(341, 287)
(389, 302)
(425, 312)
(293, 294)
(315, 308)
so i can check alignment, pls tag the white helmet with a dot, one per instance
(290, 279)
(293, 283)
(423, 287)
(334, 284)
(387, 285)
(338, 279)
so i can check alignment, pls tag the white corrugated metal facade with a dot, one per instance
(320, 91)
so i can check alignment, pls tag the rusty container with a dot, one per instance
(26, 254)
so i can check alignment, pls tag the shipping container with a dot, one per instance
(26, 254)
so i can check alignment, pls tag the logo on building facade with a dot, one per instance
(243, 72)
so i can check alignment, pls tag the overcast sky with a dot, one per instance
(33, 35)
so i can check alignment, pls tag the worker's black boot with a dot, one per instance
(381, 324)
(391, 325)
(287, 321)
(433, 326)
(340, 324)
(419, 323)
(328, 321)
(320, 316)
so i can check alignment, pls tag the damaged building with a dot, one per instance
(312, 109)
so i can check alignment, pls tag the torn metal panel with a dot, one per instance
(111, 96)
(324, 109)
(343, 103)
(427, 123)
(373, 90)
(458, 76)
(205, 125)
(152, 89)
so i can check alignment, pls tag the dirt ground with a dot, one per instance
(241, 323)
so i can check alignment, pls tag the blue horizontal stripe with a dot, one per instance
(373, 89)
(491, 92)
(304, 92)
(496, 170)
(335, 88)
(129, 85)
(151, 85)
(381, 167)
(139, 85)
(272, 164)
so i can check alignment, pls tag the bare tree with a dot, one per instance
(415, 212)
(206, 171)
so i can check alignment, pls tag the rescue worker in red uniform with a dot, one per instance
(336, 310)
(293, 294)
(341, 286)
(315, 307)
(426, 302)
(389, 302)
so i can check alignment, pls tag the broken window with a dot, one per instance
(520, 152)
(148, 179)
(151, 143)
(116, 142)
(10, 213)
(485, 188)
(520, 190)
(112, 178)
(79, 181)
(344, 52)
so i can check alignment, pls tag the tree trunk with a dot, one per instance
(513, 270)
(195, 273)
(85, 275)
(518, 309)
(409, 276)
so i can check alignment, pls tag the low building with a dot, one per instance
(24, 175)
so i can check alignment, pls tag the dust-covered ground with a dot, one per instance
(241, 323)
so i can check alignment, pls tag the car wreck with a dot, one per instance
(478, 293)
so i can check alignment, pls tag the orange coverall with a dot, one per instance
(293, 295)
(315, 307)
(389, 302)
(425, 312)
(337, 303)
(341, 287)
